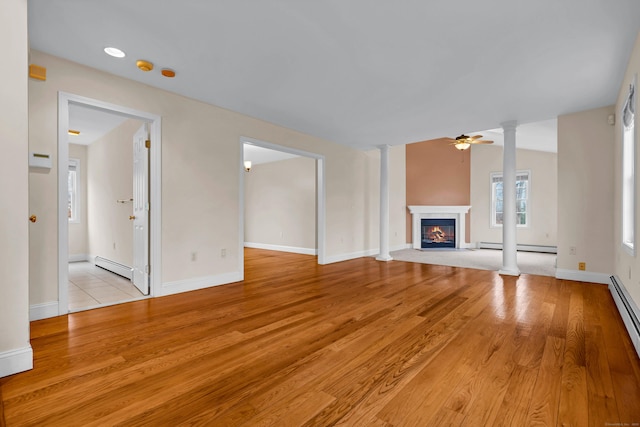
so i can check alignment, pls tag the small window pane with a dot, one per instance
(522, 198)
(72, 188)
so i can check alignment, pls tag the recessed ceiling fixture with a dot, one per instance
(73, 132)
(168, 72)
(114, 51)
(144, 65)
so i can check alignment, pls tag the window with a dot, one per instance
(522, 199)
(628, 172)
(73, 189)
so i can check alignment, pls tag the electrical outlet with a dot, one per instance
(194, 256)
(223, 252)
(572, 250)
(114, 246)
(582, 266)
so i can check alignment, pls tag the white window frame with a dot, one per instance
(74, 165)
(629, 159)
(527, 212)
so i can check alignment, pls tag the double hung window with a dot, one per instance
(522, 199)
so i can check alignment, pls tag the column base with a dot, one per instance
(384, 258)
(509, 272)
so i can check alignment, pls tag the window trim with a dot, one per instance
(492, 200)
(628, 184)
(74, 164)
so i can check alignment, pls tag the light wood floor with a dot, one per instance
(358, 343)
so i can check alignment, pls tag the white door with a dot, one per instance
(140, 214)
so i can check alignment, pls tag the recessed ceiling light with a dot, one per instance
(114, 51)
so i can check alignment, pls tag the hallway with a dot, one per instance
(91, 286)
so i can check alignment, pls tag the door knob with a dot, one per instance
(33, 218)
(132, 217)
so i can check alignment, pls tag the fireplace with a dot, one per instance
(456, 213)
(437, 233)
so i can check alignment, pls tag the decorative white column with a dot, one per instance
(509, 227)
(384, 204)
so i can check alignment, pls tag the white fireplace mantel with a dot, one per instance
(445, 212)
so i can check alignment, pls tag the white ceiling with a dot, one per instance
(539, 136)
(91, 123)
(360, 72)
(260, 155)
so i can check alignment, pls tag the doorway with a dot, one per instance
(68, 105)
(315, 164)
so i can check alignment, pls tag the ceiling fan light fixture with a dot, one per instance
(247, 165)
(462, 145)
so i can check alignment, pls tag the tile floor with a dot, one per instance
(91, 286)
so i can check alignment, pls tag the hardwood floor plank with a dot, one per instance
(600, 390)
(352, 343)
(574, 404)
(295, 412)
(515, 405)
(545, 401)
(419, 401)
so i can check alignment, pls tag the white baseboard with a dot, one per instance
(524, 248)
(353, 255)
(14, 361)
(370, 252)
(583, 276)
(292, 249)
(170, 288)
(79, 258)
(628, 310)
(43, 311)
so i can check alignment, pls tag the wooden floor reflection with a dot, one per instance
(356, 343)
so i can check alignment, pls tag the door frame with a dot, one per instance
(155, 193)
(320, 195)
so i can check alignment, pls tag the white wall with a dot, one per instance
(280, 204)
(110, 178)
(542, 229)
(200, 178)
(78, 237)
(585, 192)
(626, 267)
(15, 351)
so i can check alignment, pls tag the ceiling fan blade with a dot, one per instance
(449, 139)
(481, 141)
(476, 136)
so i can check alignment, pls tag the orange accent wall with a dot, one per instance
(437, 175)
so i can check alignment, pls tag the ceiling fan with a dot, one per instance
(463, 142)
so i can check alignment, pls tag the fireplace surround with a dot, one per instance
(439, 212)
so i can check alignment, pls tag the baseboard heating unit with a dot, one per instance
(524, 248)
(114, 267)
(628, 311)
